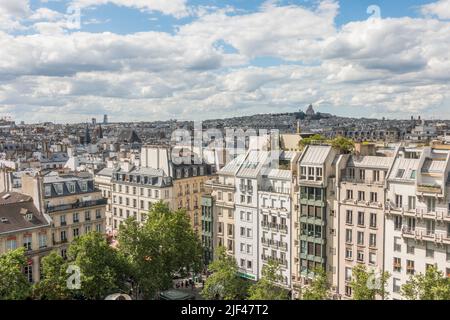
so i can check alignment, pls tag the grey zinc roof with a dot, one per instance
(252, 164)
(232, 166)
(434, 166)
(277, 173)
(370, 162)
(13, 208)
(315, 155)
(408, 165)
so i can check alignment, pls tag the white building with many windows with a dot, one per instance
(417, 215)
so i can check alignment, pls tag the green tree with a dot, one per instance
(343, 144)
(13, 282)
(310, 140)
(102, 271)
(318, 290)
(224, 283)
(433, 285)
(53, 284)
(267, 288)
(160, 248)
(367, 285)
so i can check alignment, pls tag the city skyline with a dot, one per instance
(69, 61)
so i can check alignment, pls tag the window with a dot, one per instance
(429, 253)
(398, 201)
(71, 187)
(360, 236)
(76, 232)
(376, 175)
(361, 196)
(372, 258)
(396, 285)
(373, 240)
(349, 217)
(397, 267)
(349, 194)
(99, 228)
(42, 240)
(348, 274)
(63, 235)
(249, 265)
(348, 235)
(373, 220)
(62, 220)
(373, 197)
(58, 188)
(397, 244)
(360, 256)
(362, 175)
(410, 249)
(410, 267)
(27, 240)
(348, 253)
(400, 173)
(76, 218)
(398, 223)
(87, 215)
(361, 219)
(242, 263)
(28, 270)
(48, 190)
(11, 244)
(411, 203)
(84, 186)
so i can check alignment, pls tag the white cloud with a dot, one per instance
(394, 66)
(440, 9)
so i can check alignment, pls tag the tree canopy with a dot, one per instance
(224, 283)
(268, 288)
(13, 283)
(433, 285)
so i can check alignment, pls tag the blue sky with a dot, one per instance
(197, 59)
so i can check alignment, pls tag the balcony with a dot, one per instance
(362, 181)
(76, 205)
(429, 189)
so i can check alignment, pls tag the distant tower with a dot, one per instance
(105, 119)
(94, 122)
(310, 111)
(100, 132)
(299, 130)
(87, 136)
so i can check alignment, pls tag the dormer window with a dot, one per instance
(202, 171)
(194, 171)
(58, 188)
(71, 187)
(400, 173)
(48, 190)
(178, 173)
(186, 172)
(84, 186)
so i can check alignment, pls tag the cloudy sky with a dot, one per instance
(143, 60)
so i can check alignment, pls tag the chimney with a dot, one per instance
(365, 149)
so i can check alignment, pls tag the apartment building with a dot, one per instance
(72, 202)
(275, 211)
(222, 188)
(22, 225)
(317, 234)
(360, 215)
(133, 189)
(417, 215)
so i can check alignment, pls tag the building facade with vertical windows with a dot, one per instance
(417, 215)
(22, 225)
